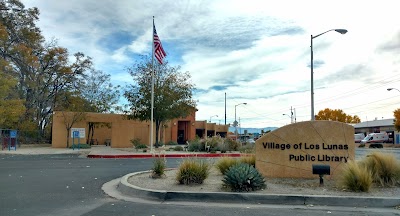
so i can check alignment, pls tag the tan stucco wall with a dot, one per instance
(121, 131)
(297, 163)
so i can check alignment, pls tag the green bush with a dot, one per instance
(138, 144)
(82, 146)
(362, 145)
(159, 165)
(196, 145)
(193, 171)
(355, 177)
(251, 160)
(172, 143)
(223, 164)
(178, 148)
(385, 168)
(243, 177)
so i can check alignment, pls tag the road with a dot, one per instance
(70, 185)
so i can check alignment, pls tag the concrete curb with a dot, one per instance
(172, 155)
(252, 198)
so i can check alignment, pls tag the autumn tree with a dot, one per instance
(43, 69)
(336, 115)
(396, 115)
(172, 93)
(11, 107)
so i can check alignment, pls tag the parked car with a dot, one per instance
(376, 138)
(250, 141)
(358, 137)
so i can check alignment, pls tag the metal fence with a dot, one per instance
(24, 137)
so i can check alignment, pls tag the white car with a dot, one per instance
(250, 141)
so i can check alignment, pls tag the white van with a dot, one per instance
(376, 138)
(358, 137)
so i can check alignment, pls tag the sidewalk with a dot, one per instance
(108, 152)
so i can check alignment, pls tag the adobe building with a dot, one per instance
(117, 131)
(380, 126)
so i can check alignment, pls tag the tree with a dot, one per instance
(172, 93)
(42, 69)
(98, 91)
(336, 115)
(11, 108)
(396, 115)
(73, 109)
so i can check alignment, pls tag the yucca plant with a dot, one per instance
(192, 171)
(355, 177)
(243, 177)
(224, 163)
(385, 168)
(159, 165)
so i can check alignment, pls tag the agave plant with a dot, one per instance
(243, 177)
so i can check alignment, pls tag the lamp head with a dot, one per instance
(245, 103)
(341, 31)
(390, 89)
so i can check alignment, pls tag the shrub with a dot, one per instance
(159, 165)
(231, 145)
(214, 142)
(195, 145)
(138, 144)
(355, 177)
(192, 171)
(178, 148)
(243, 177)
(248, 148)
(82, 146)
(251, 160)
(385, 168)
(362, 145)
(224, 163)
(172, 143)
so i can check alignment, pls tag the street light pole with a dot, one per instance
(390, 89)
(213, 116)
(235, 123)
(341, 31)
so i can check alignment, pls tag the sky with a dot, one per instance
(257, 52)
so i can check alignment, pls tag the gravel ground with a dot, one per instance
(274, 186)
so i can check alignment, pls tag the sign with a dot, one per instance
(75, 134)
(292, 150)
(13, 134)
(80, 131)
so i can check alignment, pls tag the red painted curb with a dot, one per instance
(168, 155)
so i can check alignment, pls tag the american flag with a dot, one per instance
(159, 52)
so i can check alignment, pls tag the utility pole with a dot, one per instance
(225, 108)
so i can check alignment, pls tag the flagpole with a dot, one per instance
(152, 92)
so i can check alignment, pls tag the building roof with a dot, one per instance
(375, 123)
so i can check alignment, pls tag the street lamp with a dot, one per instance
(213, 116)
(341, 31)
(290, 116)
(390, 89)
(235, 123)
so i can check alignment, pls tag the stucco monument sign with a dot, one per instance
(292, 150)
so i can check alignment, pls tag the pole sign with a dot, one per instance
(79, 132)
